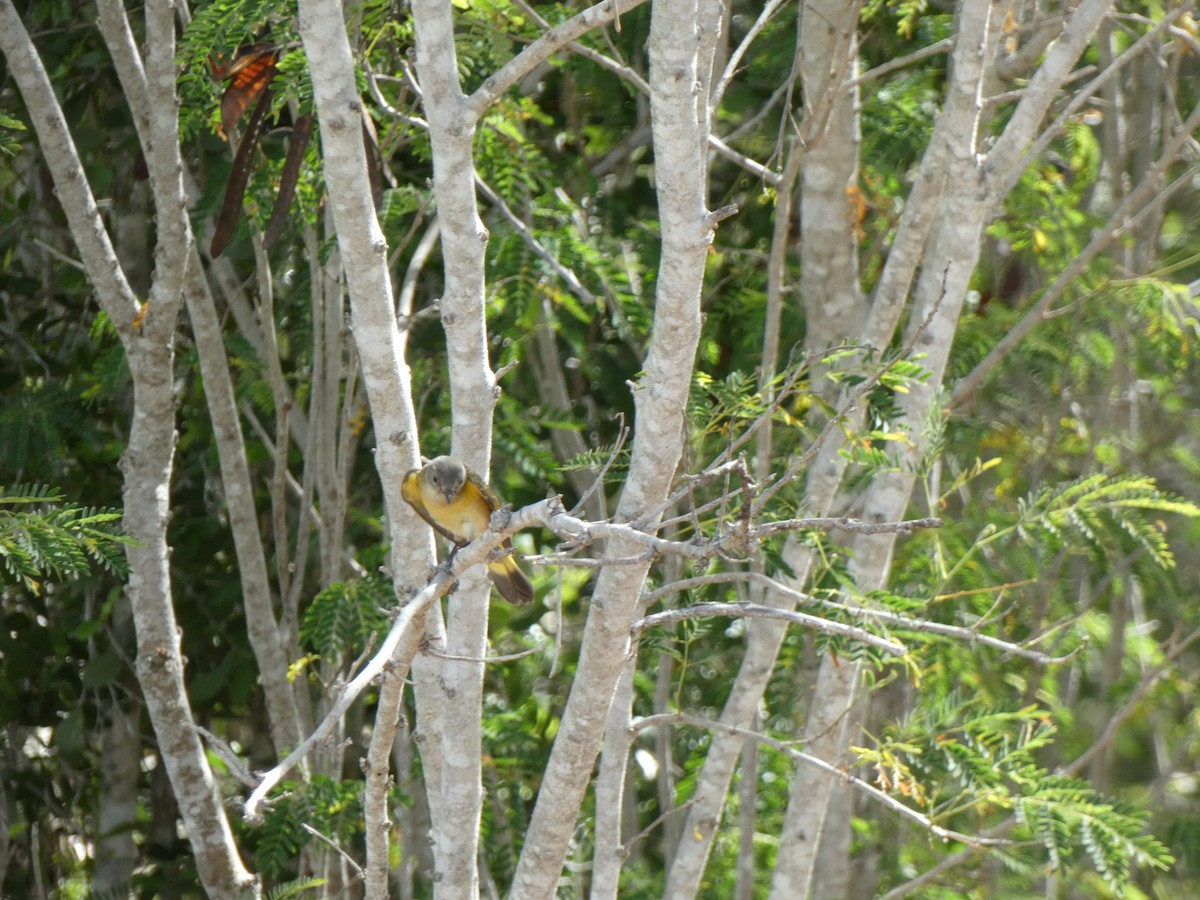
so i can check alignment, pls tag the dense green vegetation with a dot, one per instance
(1063, 481)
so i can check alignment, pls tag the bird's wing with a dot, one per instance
(489, 495)
(410, 490)
(493, 501)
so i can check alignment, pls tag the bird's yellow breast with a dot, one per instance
(466, 517)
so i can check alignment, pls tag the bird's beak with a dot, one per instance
(449, 495)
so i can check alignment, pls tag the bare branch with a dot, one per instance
(864, 614)
(623, 431)
(1144, 44)
(945, 45)
(566, 274)
(764, 19)
(843, 523)
(852, 402)
(235, 765)
(742, 609)
(350, 861)
(443, 580)
(70, 181)
(487, 660)
(542, 49)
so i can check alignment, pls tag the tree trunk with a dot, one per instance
(680, 134)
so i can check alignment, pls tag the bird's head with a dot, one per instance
(447, 475)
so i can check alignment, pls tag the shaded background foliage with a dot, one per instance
(1102, 390)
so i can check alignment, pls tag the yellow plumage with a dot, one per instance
(459, 506)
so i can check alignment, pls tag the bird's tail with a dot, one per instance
(513, 585)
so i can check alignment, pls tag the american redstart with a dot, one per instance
(459, 506)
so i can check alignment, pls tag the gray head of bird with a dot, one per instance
(448, 476)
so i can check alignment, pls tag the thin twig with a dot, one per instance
(523, 231)
(1118, 224)
(512, 657)
(1115, 723)
(877, 616)
(358, 872)
(1148, 680)
(627, 847)
(945, 45)
(586, 562)
(743, 609)
(735, 58)
(717, 468)
(869, 384)
(844, 523)
(236, 768)
(557, 38)
(622, 435)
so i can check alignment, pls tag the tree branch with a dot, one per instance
(742, 609)
(70, 182)
(542, 49)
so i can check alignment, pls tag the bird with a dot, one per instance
(458, 504)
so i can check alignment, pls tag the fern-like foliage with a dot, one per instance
(216, 30)
(1102, 511)
(8, 142)
(1066, 812)
(1099, 516)
(962, 760)
(280, 838)
(43, 536)
(298, 888)
(597, 459)
(342, 617)
(332, 808)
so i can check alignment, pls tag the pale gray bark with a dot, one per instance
(265, 638)
(257, 325)
(453, 689)
(816, 828)
(612, 802)
(747, 799)
(325, 462)
(957, 188)
(147, 335)
(1149, 192)
(680, 137)
(364, 260)
(610, 788)
(116, 806)
(972, 188)
(328, 378)
(568, 442)
(449, 692)
(664, 754)
(237, 489)
(763, 641)
(835, 313)
(385, 373)
(1144, 133)
(835, 306)
(827, 32)
(954, 138)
